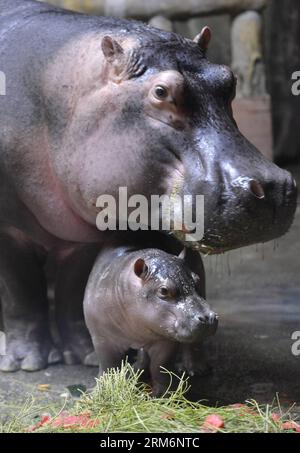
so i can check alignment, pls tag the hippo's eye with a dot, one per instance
(161, 92)
(163, 292)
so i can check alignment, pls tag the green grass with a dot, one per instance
(120, 402)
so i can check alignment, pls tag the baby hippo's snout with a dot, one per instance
(196, 321)
(209, 320)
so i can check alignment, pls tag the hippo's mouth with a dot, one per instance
(203, 247)
(236, 236)
(192, 335)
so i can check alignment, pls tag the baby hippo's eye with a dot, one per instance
(163, 292)
(160, 92)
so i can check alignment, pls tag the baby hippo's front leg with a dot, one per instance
(109, 356)
(162, 355)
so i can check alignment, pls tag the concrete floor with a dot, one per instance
(256, 292)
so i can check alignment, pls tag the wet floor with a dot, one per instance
(256, 292)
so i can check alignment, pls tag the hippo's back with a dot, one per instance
(31, 34)
(7, 6)
(21, 8)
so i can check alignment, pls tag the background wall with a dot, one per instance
(282, 38)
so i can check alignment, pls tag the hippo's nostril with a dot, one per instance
(202, 319)
(290, 190)
(256, 189)
(209, 318)
(212, 318)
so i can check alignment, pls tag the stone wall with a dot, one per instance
(172, 9)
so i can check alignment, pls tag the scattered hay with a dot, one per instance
(120, 402)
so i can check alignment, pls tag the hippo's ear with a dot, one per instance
(112, 50)
(182, 254)
(203, 38)
(140, 268)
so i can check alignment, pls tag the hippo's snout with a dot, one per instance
(247, 198)
(250, 205)
(199, 325)
(283, 190)
(268, 201)
(208, 321)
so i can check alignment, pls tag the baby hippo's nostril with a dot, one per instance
(212, 318)
(256, 189)
(202, 319)
(209, 318)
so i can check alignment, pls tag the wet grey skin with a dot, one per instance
(147, 300)
(96, 103)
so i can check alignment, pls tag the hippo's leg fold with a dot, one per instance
(71, 278)
(162, 355)
(24, 307)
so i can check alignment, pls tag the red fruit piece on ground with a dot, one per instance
(214, 421)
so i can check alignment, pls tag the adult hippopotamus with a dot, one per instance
(93, 104)
(148, 300)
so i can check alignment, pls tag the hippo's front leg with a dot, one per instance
(162, 355)
(74, 264)
(24, 306)
(108, 354)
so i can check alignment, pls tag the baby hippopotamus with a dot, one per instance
(147, 300)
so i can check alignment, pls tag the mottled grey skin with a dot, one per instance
(82, 117)
(146, 300)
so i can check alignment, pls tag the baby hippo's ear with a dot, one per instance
(140, 268)
(182, 254)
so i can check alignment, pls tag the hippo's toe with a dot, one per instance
(70, 358)
(34, 361)
(28, 356)
(77, 345)
(91, 359)
(9, 363)
(54, 356)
